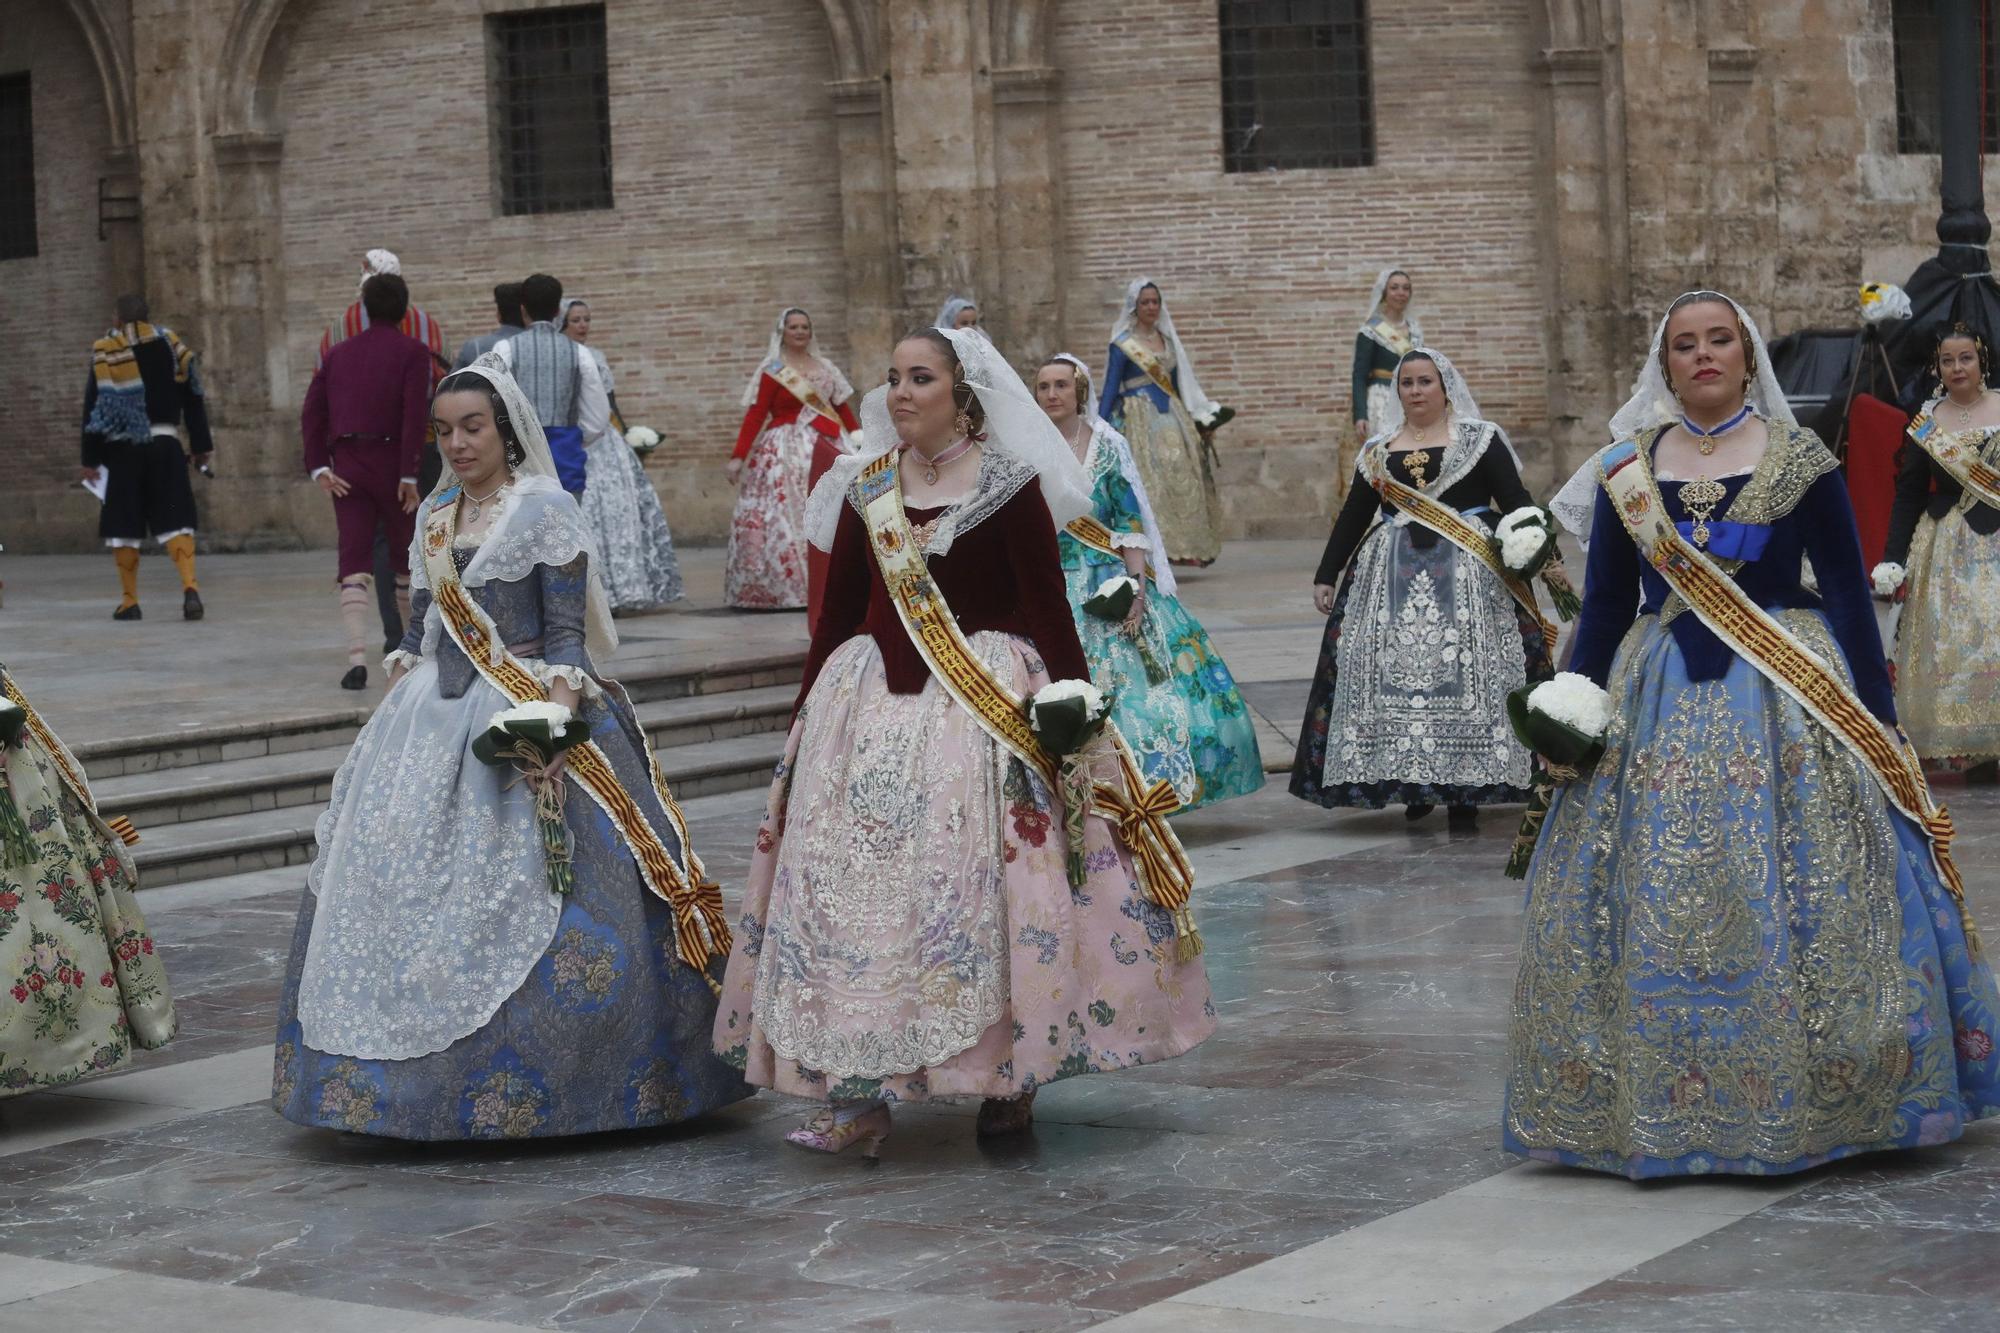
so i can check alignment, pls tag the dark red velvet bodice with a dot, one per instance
(1002, 574)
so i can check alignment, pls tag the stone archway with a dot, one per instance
(110, 50)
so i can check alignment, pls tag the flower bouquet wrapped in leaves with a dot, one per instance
(529, 737)
(1113, 601)
(1564, 720)
(642, 440)
(1066, 716)
(1525, 543)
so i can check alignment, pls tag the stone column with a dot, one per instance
(212, 249)
(868, 221)
(1028, 217)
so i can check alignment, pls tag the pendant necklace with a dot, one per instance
(1418, 459)
(950, 455)
(1705, 439)
(1965, 410)
(475, 502)
(1700, 497)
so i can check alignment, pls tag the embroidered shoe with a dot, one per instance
(131, 612)
(1000, 1116)
(827, 1133)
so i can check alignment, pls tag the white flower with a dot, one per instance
(1888, 577)
(536, 710)
(1882, 301)
(1573, 700)
(1062, 691)
(642, 437)
(1110, 587)
(1522, 535)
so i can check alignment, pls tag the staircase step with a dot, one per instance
(261, 838)
(305, 777)
(648, 679)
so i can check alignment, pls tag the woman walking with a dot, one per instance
(918, 923)
(795, 400)
(1746, 948)
(1424, 638)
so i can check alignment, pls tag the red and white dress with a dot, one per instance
(767, 534)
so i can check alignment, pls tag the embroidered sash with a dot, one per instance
(1965, 462)
(801, 388)
(1755, 636)
(701, 933)
(1136, 811)
(65, 762)
(1099, 539)
(1142, 356)
(1455, 528)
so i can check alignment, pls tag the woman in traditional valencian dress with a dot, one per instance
(1424, 641)
(1174, 700)
(444, 983)
(80, 985)
(958, 312)
(795, 404)
(1152, 398)
(910, 930)
(1742, 953)
(1388, 332)
(1945, 532)
(639, 570)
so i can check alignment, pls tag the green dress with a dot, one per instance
(1185, 720)
(80, 984)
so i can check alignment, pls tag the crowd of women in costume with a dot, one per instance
(1746, 947)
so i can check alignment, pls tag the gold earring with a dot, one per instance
(964, 422)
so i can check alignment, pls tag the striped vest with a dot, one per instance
(549, 369)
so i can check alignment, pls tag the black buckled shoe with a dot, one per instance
(131, 612)
(355, 679)
(191, 607)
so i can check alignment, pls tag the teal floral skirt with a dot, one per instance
(1184, 718)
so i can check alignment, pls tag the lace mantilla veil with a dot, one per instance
(1652, 404)
(1106, 433)
(774, 356)
(539, 524)
(1197, 403)
(1410, 320)
(1021, 445)
(1459, 397)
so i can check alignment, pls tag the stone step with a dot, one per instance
(258, 839)
(648, 679)
(305, 777)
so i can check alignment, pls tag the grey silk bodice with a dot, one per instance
(540, 616)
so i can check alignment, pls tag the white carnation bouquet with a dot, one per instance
(529, 736)
(1525, 543)
(1888, 579)
(1066, 716)
(1113, 601)
(1884, 301)
(642, 440)
(1564, 720)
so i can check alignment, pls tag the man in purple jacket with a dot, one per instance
(363, 425)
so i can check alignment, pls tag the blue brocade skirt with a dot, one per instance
(1738, 956)
(608, 1031)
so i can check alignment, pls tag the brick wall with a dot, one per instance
(59, 301)
(724, 176)
(1268, 274)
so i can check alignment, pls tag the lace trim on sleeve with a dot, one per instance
(548, 673)
(405, 660)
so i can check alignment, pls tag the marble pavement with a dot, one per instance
(1328, 1163)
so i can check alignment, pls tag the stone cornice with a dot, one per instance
(248, 148)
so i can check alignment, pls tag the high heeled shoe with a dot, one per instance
(827, 1133)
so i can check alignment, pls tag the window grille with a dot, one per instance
(1295, 86)
(17, 170)
(1914, 31)
(551, 109)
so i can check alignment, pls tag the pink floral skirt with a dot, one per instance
(767, 533)
(909, 930)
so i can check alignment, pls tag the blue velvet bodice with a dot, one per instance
(546, 608)
(1619, 585)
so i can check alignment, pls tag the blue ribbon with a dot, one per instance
(1731, 541)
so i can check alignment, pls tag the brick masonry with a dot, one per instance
(758, 163)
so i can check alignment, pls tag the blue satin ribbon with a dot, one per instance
(1731, 541)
